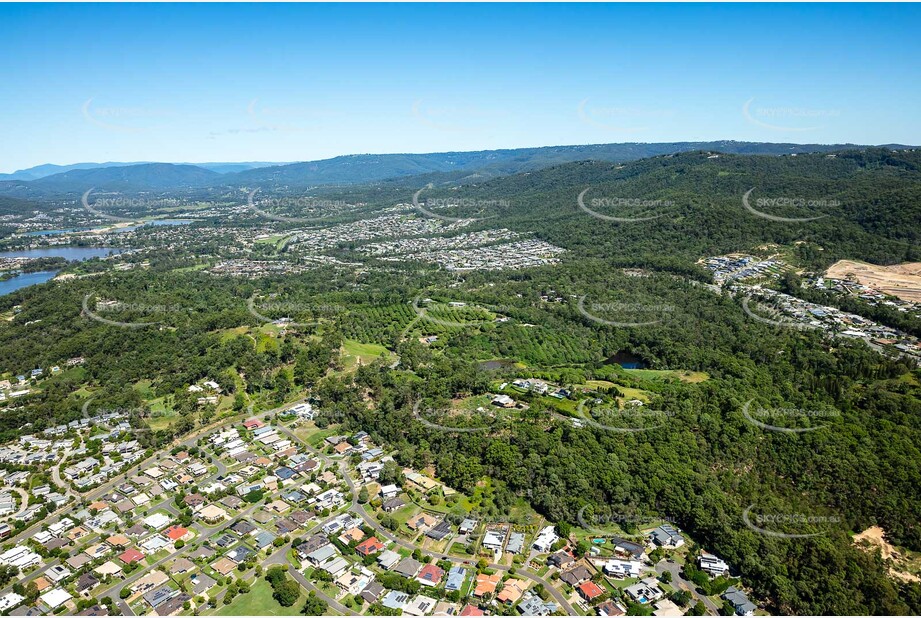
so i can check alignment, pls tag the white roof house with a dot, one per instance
(55, 598)
(10, 600)
(156, 521)
(546, 539)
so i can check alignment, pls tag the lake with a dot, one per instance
(71, 254)
(24, 280)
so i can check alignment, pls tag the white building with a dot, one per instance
(546, 539)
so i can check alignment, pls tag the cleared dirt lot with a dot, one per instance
(901, 280)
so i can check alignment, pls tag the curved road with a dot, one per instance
(680, 582)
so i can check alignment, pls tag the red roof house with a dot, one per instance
(430, 575)
(131, 555)
(175, 533)
(369, 546)
(590, 590)
(471, 610)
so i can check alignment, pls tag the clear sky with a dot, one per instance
(197, 83)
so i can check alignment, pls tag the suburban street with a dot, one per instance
(355, 507)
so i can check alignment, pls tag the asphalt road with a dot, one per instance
(679, 582)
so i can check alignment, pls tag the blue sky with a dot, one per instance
(167, 82)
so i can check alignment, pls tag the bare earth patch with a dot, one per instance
(875, 538)
(900, 280)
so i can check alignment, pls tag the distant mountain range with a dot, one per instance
(52, 180)
(146, 176)
(49, 169)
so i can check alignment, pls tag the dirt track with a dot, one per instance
(901, 280)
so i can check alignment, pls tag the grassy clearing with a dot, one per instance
(259, 602)
(313, 435)
(635, 393)
(354, 353)
(692, 377)
(599, 384)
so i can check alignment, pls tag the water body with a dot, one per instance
(24, 280)
(626, 360)
(71, 254)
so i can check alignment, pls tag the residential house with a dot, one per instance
(739, 601)
(369, 546)
(354, 583)
(545, 539)
(645, 591)
(511, 591)
(419, 606)
(213, 514)
(467, 526)
(395, 600)
(486, 584)
(560, 559)
(590, 591)
(152, 580)
(392, 505)
(611, 609)
(202, 583)
(420, 521)
(440, 531)
(456, 577)
(667, 536)
(85, 583)
(622, 568)
(713, 566)
(494, 539)
(430, 575)
(628, 549)
(515, 543)
(533, 605)
(388, 559)
(576, 575)
(408, 567)
(372, 592)
(223, 566)
(130, 556)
